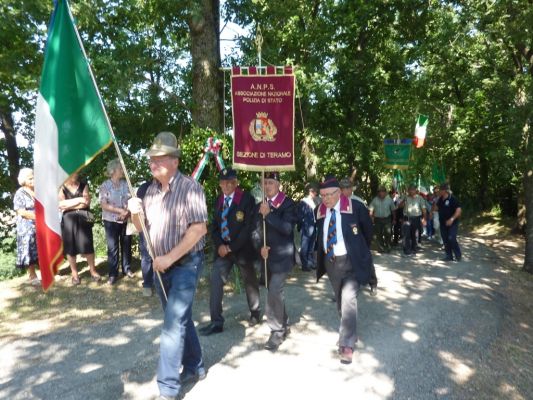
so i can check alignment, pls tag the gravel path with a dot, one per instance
(422, 337)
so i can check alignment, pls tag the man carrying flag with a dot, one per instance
(420, 130)
(71, 128)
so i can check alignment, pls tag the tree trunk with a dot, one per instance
(207, 90)
(13, 155)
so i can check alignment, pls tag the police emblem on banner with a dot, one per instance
(239, 216)
(262, 129)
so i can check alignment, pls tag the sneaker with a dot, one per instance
(35, 282)
(346, 355)
(189, 377)
(129, 274)
(373, 290)
(112, 280)
(148, 292)
(446, 259)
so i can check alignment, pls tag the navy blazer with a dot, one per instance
(357, 232)
(240, 225)
(279, 233)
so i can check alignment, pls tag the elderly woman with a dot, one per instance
(114, 197)
(76, 226)
(24, 206)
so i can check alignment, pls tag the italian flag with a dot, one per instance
(71, 128)
(420, 130)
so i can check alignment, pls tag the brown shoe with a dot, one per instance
(346, 355)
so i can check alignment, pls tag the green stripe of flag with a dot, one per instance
(67, 87)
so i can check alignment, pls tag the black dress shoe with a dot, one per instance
(446, 259)
(255, 319)
(211, 329)
(274, 341)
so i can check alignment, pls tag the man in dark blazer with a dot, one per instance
(232, 228)
(344, 233)
(279, 214)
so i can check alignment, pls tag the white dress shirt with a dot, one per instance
(339, 249)
(230, 200)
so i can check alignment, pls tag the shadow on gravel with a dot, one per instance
(424, 336)
(73, 362)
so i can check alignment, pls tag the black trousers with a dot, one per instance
(416, 227)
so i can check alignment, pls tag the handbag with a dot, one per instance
(87, 216)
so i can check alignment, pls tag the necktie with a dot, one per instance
(332, 236)
(224, 224)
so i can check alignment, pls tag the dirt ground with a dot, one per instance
(435, 330)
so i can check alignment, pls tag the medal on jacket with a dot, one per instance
(354, 229)
(239, 216)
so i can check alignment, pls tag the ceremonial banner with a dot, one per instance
(420, 130)
(397, 153)
(263, 118)
(70, 130)
(438, 173)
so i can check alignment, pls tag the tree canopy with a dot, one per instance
(364, 71)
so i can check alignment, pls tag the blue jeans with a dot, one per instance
(179, 342)
(449, 238)
(146, 263)
(307, 248)
(429, 227)
(116, 238)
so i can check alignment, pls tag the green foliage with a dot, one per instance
(99, 241)
(364, 71)
(7, 266)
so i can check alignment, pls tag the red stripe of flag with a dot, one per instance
(50, 247)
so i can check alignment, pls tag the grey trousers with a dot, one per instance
(345, 286)
(219, 276)
(276, 314)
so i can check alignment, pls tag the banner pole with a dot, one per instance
(259, 44)
(264, 229)
(119, 154)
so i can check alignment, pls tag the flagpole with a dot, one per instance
(119, 154)
(259, 44)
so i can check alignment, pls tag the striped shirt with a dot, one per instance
(382, 208)
(169, 214)
(414, 206)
